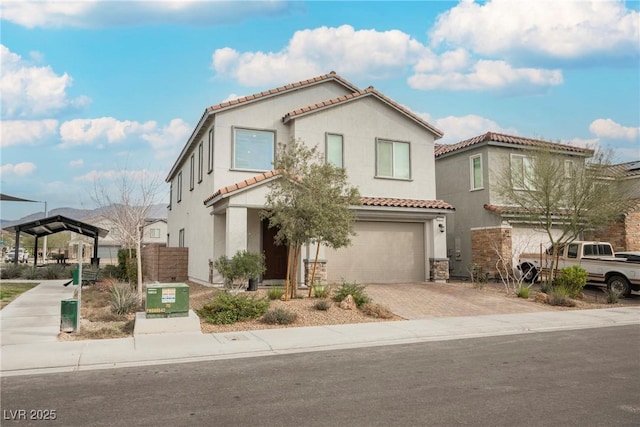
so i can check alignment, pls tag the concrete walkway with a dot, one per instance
(39, 352)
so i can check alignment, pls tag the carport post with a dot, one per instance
(79, 284)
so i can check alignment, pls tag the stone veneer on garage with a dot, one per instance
(624, 234)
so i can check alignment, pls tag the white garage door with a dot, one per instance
(382, 252)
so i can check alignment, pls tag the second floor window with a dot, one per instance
(393, 159)
(154, 233)
(521, 172)
(200, 160)
(253, 149)
(475, 165)
(210, 167)
(334, 150)
(179, 189)
(192, 175)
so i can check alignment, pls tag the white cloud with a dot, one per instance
(96, 13)
(607, 128)
(561, 29)
(168, 141)
(488, 75)
(87, 131)
(19, 169)
(459, 128)
(29, 132)
(30, 91)
(76, 163)
(317, 51)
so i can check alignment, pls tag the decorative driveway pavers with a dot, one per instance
(428, 299)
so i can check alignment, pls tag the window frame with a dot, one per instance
(327, 135)
(210, 158)
(526, 184)
(193, 172)
(200, 160)
(179, 189)
(234, 131)
(181, 234)
(472, 177)
(153, 231)
(393, 143)
(569, 169)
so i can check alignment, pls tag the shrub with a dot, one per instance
(572, 279)
(355, 290)
(560, 296)
(31, 273)
(377, 310)
(279, 316)
(229, 308)
(10, 271)
(123, 298)
(322, 304)
(320, 291)
(523, 292)
(112, 271)
(54, 272)
(275, 293)
(238, 270)
(612, 296)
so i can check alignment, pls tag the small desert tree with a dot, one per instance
(126, 204)
(561, 195)
(309, 202)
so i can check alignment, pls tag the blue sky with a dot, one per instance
(94, 89)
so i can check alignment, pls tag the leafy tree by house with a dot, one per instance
(126, 204)
(562, 196)
(310, 202)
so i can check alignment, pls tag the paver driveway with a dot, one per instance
(423, 300)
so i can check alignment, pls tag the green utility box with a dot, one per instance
(167, 300)
(76, 276)
(69, 315)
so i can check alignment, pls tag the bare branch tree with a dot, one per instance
(126, 204)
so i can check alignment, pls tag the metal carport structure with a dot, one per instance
(55, 224)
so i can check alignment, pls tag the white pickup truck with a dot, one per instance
(597, 258)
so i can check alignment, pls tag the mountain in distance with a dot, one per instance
(157, 211)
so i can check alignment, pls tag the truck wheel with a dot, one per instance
(619, 284)
(529, 273)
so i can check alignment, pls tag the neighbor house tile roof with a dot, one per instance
(370, 91)
(366, 201)
(627, 169)
(508, 139)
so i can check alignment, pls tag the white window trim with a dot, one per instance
(326, 147)
(569, 169)
(233, 147)
(524, 180)
(200, 161)
(393, 142)
(192, 175)
(472, 175)
(179, 189)
(210, 158)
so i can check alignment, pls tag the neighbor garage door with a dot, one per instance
(382, 252)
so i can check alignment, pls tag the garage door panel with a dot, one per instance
(382, 252)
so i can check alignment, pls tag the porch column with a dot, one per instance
(438, 261)
(236, 230)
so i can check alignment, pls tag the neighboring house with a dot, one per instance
(624, 234)
(155, 231)
(483, 225)
(219, 182)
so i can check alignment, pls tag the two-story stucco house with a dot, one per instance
(219, 181)
(483, 224)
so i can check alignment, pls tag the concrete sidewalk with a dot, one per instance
(35, 354)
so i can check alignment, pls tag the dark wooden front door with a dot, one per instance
(275, 255)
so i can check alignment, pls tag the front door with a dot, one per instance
(275, 255)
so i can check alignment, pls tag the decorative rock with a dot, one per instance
(348, 303)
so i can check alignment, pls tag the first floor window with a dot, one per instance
(253, 149)
(475, 163)
(393, 159)
(181, 238)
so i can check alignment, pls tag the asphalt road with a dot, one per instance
(570, 378)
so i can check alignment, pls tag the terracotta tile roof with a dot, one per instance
(627, 169)
(242, 184)
(370, 91)
(509, 139)
(331, 76)
(366, 201)
(406, 203)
